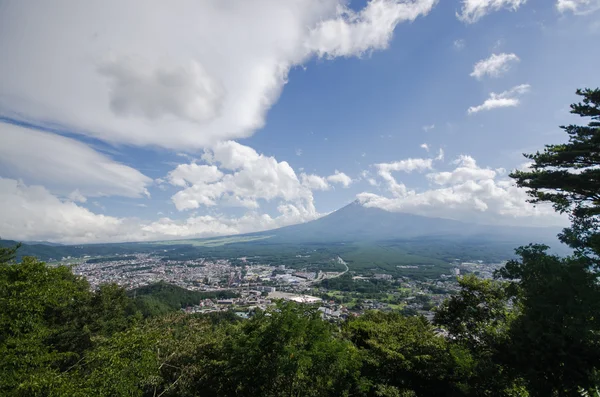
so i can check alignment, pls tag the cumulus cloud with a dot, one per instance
(194, 174)
(384, 170)
(66, 166)
(236, 175)
(340, 178)
(183, 80)
(494, 66)
(424, 146)
(578, 7)
(469, 193)
(354, 33)
(467, 170)
(508, 98)
(473, 10)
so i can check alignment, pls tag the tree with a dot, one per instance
(568, 176)
(50, 320)
(478, 319)
(477, 314)
(43, 313)
(403, 356)
(287, 351)
(556, 338)
(8, 254)
(554, 342)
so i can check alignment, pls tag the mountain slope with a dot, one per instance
(355, 222)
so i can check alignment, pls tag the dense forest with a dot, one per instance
(533, 331)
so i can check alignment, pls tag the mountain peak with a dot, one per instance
(356, 222)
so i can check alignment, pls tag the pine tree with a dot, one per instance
(568, 176)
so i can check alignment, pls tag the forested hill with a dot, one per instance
(59, 338)
(57, 252)
(162, 298)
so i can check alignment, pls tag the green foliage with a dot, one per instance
(8, 254)
(48, 318)
(111, 259)
(161, 298)
(567, 176)
(288, 351)
(477, 314)
(42, 318)
(554, 342)
(478, 318)
(404, 355)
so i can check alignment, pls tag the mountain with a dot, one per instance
(43, 243)
(372, 233)
(356, 222)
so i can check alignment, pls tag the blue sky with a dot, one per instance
(144, 121)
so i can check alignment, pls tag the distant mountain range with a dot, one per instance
(356, 222)
(351, 225)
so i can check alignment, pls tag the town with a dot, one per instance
(258, 286)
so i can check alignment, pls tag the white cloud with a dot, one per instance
(578, 7)
(424, 146)
(33, 213)
(473, 10)
(467, 170)
(494, 66)
(354, 33)
(186, 92)
(428, 128)
(385, 170)
(508, 98)
(76, 195)
(194, 174)
(407, 165)
(469, 193)
(298, 152)
(459, 44)
(340, 178)
(184, 77)
(314, 182)
(209, 225)
(65, 166)
(440, 155)
(239, 176)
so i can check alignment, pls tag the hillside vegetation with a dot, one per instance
(162, 298)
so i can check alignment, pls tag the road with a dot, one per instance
(321, 278)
